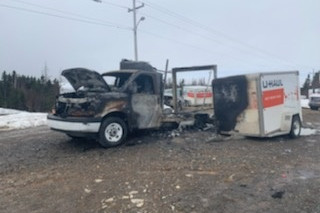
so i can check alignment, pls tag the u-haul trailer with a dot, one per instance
(259, 105)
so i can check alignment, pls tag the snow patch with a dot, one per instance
(308, 131)
(15, 119)
(305, 103)
(4, 111)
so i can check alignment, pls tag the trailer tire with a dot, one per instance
(295, 127)
(113, 132)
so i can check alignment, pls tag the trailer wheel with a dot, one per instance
(295, 127)
(113, 132)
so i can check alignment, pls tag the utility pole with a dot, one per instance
(135, 26)
(313, 81)
(45, 72)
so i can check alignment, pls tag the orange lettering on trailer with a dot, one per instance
(204, 95)
(273, 97)
(199, 94)
(190, 94)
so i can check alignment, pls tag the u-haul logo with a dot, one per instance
(273, 93)
(271, 83)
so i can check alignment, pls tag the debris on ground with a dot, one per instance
(278, 194)
(46, 171)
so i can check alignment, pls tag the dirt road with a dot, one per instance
(45, 171)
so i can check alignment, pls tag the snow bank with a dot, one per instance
(15, 119)
(4, 111)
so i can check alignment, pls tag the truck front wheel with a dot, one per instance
(295, 127)
(113, 132)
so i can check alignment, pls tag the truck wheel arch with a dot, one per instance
(121, 115)
(117, 114)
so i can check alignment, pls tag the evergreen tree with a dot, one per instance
(27, 93)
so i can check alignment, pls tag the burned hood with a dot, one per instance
(81, 77)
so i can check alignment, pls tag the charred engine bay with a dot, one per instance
(83, 103)
(76, 104)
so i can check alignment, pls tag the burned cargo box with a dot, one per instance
(259, 105)
(230, 99)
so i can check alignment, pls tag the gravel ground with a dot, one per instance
(45, 171)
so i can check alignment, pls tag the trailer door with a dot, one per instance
(279, 101)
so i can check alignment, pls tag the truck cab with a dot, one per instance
(109, 105)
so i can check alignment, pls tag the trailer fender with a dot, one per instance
(286, 121)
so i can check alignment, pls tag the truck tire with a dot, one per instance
(295, 127)
(314, 108)
(113, 132)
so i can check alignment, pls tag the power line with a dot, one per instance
(193, 46)
(214, 31)
(62, 11)
(184, 29)
(193, 32)
(110, 24)
(186, 20)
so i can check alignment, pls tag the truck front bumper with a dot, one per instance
(81, 125)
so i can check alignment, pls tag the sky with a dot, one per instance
(238, 36)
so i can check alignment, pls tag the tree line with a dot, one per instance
(311, 83)
(27, 93)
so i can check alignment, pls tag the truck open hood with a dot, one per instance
(79, 77)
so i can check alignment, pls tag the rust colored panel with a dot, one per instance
(114, 106)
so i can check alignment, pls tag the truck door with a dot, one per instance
(146, 102)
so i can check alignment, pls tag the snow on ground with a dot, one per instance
(304, 103)
(4, 111)
(308, 131)
(15, 119)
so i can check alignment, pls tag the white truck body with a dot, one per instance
(258, 105)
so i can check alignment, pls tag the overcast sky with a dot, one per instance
(239, 36)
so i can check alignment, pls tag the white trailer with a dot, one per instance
(197, 95)
(259, 105)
